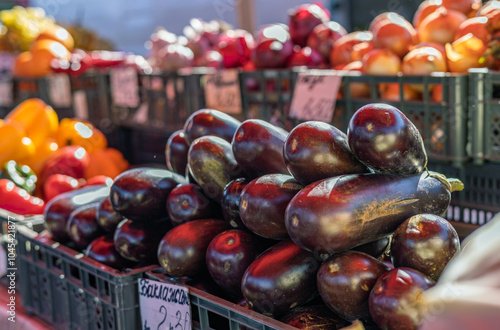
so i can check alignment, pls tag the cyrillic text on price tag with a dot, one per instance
(222, 91)
(125, 87)
(315, 95)
(59, 90)
(164, 305)
(6, 93)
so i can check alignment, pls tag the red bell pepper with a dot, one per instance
(57, 184)
(18, 200)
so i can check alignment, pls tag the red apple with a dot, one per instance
(57, 184)
(423, 61)
(273, 47)
(307, 57)
(303, 19)
(323, 37)
(236, 47)
(210, 59)
(175, 56)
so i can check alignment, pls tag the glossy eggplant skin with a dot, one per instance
(82, 226)
(212, 165)
(228, 256)
(281, 278)
(58, 210)
(314, 317)
(230, 203)
(425, 242)
(183, 249)
(340, 213)
(376, 248)
(176, 151)
(258, 148)
(107, 217)
(138, 241)
(139, 194)
(263, 203)
(396, 299)
(210, 122)
(186, 202)
(345, 281)
(384, 139)
(315, 150)
(103, 250)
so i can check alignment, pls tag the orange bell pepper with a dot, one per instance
(38, 120)
(80, 133)
(109, 162)
(14, 145)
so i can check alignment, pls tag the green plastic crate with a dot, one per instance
(484, 99)
(70, 291)
(443, 125)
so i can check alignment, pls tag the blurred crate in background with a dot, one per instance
(484, 102)
(267, 94)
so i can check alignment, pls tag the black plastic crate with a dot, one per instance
(166, 100)
(212, 312)
(480, 200)
(26, 88)
(267, 94)
(70, 291)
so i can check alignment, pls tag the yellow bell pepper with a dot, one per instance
(42, 153)
(81, 133)
(14, 145)
(38, 120)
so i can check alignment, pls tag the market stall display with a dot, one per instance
(334, 192)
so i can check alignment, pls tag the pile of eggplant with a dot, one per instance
(314, 227)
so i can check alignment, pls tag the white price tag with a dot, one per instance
(315, 95)
(125, 87)
(80, 105)
(59, 90)
(6, 93)
(222, 91)
(164, 305)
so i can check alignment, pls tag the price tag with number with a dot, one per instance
(6, 93)
(164, 305)
(315, 95)
(222, 91)
(59, 90)
(125, 87)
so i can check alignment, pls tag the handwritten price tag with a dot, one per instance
(6, 93)
(59, 90)
(164, 305)
(125, 87)
(314, 96)
(222, 91)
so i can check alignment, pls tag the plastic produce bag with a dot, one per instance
(467, 295)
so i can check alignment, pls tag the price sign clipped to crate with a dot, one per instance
(164, 305)
(59, 90)
(315, 95)
(222, 91)
(125, 87)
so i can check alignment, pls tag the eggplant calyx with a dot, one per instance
(452, 184)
